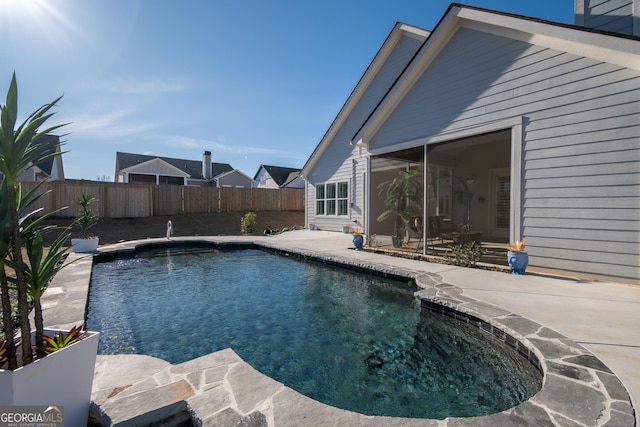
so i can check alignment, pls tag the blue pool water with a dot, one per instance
(345, 338)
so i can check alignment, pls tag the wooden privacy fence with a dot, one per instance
(135, 201)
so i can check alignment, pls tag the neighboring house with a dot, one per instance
(144, 169)
(233, 178)
(517, 127)
(51, 169)
(277, 177)
(294, 180)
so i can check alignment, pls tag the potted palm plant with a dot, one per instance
(403, 201)
(35, 364)
(517, 256)
(85, 220)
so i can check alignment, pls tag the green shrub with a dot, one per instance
(248, 223)
(466, 255)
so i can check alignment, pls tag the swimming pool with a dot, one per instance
(348, 339)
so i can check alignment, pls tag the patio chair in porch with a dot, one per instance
(439, 230)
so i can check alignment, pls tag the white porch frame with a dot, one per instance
(517, 170)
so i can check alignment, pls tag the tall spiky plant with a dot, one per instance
(19, 150)
(403, 200)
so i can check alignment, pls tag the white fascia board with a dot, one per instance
(134, 168)
(381, 57)
(616, 50)
(427, 53)
(602, 47)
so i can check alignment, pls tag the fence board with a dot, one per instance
(139, 201)
(201, 199)
(124, 202)
(235, 199)
(167, 200)
(292, 199)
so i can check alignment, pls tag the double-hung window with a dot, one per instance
(320, 199)
(332, 199)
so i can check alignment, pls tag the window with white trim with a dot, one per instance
(332, 199)
(320, 202)
(343, 198)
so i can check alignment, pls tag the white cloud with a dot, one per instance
(184, 142)
(138, 86)
(220, 147)
(115, 123)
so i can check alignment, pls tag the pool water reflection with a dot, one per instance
(349, 339)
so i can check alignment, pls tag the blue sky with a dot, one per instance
(253, 81)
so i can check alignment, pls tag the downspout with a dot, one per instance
(425, 205)
(516, 228)
(367, 199)
(306, 201)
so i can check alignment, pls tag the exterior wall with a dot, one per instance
(157, 171)
(351, 171)
(28, 176)
(608, 15)
(199, 183)
(155, 168)
(264, 180)
(296, 183)
(234, 180)
(57, 171)
(581, 157)
(341, 161)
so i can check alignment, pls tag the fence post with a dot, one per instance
(150, 198)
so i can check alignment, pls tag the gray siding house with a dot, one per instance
(50, 169)
(277, 177)
(516, 128)
(143, 169)
(233, 178)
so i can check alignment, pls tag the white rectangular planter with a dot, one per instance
(63, 378)
(84, 246)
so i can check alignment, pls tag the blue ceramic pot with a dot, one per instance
(518, 262)
(358, 241)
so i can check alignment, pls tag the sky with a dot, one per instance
(253, 81)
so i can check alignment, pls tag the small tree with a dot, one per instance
(248, 223)
(19, 150)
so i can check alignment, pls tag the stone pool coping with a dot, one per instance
(221, 389)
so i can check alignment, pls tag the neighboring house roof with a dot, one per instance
(50, 168)
(615, 48)
(191, 167)
(292, 177)
(53, 141)
(279, 174)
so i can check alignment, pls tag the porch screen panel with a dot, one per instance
(503, 206)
